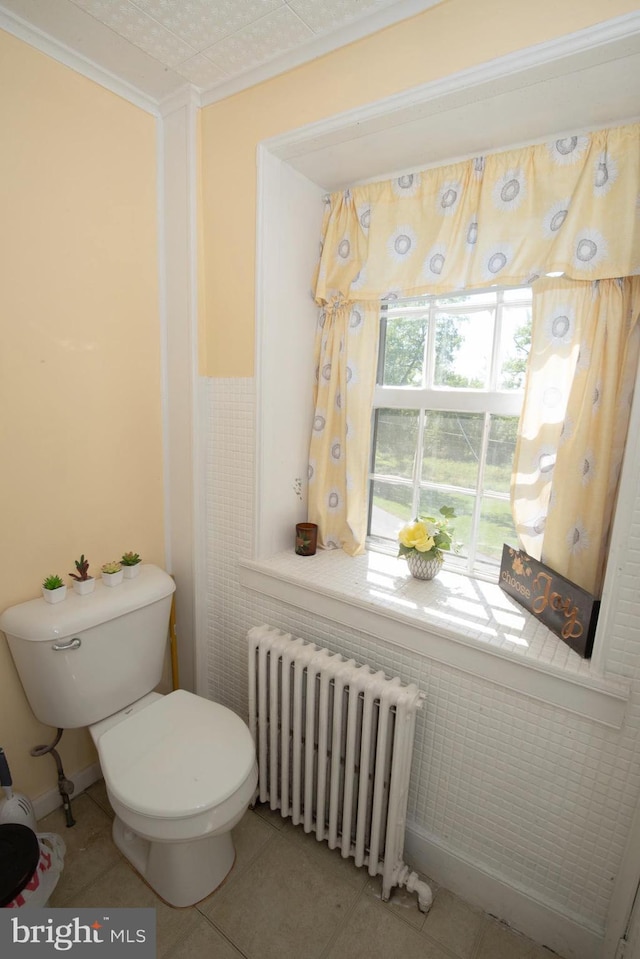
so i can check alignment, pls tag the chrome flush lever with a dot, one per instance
(72, 644)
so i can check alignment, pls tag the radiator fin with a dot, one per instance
(334, 742)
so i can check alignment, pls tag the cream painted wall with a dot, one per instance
(80, 352)
(450, 37)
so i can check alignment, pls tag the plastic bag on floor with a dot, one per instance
(45, 878)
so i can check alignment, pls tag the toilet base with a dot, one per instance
(182, 873)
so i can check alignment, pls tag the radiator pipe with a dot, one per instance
(413, 883)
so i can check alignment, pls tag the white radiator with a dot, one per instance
(334, 743)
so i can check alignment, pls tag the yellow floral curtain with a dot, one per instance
(567, 206)
(346, 346)
(582, 369)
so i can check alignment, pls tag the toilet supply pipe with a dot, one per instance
(65, 786)
(16, 808)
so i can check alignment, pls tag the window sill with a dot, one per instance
(464, 623)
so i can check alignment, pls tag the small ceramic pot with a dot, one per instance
(130, 572)
(55, 595)
(422, 568)
(84, 586)
(112, 579)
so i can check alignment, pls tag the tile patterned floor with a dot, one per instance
(287, 897)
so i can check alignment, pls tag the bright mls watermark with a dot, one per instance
(31, 933)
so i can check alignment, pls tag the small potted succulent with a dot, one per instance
(82, 582)
(53, 589)
(112, 574)
(131, 563)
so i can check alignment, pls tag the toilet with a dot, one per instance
(180, 770)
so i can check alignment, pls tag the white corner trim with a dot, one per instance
(63, 54)
(318, 47)
(47, 802)
(182, 455)
(201, 580)
(571, 936)
(162, 321)
(186, 96)
(199, 479)
(508, 66)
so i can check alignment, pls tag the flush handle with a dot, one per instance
(72, 644)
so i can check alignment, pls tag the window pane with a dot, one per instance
(430, 502)
(451, 448)
(496, 528)
(390, 509)
(396, 435)
(404, 347)
(500, 452)
(463, 349)
(514, 348)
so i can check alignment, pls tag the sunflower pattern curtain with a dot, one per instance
(568, 206)
(582, 369)
(346, 347)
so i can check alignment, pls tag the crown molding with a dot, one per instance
(318, 47)
(63, 54)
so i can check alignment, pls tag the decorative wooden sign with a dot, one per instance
(566, 609)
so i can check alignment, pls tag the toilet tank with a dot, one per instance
(89, 656)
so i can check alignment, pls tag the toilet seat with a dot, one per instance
(180, 757)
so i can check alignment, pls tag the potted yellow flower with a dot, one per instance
(423, 542)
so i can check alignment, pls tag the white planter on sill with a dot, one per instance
(84, 586)
(130, 572)
(112, 579)
(55, 595)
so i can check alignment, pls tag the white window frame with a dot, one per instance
(488, 402)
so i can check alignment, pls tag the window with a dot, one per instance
(446, 405)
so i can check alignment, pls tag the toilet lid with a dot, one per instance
(177, 757)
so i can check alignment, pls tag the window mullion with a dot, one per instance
(427, 383)
(430, 349)
(477, 506)
(493, 379)
(497, 339)
(417, 463)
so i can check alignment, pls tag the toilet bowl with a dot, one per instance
(180, 773)
(180, 770)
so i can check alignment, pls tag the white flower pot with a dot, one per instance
(130, 572)
(112, 579)
(422, 568)
(84, 586)
(55, 595)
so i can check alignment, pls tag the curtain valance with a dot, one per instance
(569, 206)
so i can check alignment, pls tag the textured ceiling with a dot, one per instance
(159, 44)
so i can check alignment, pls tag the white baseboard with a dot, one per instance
(571, 936)
(50, 800)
